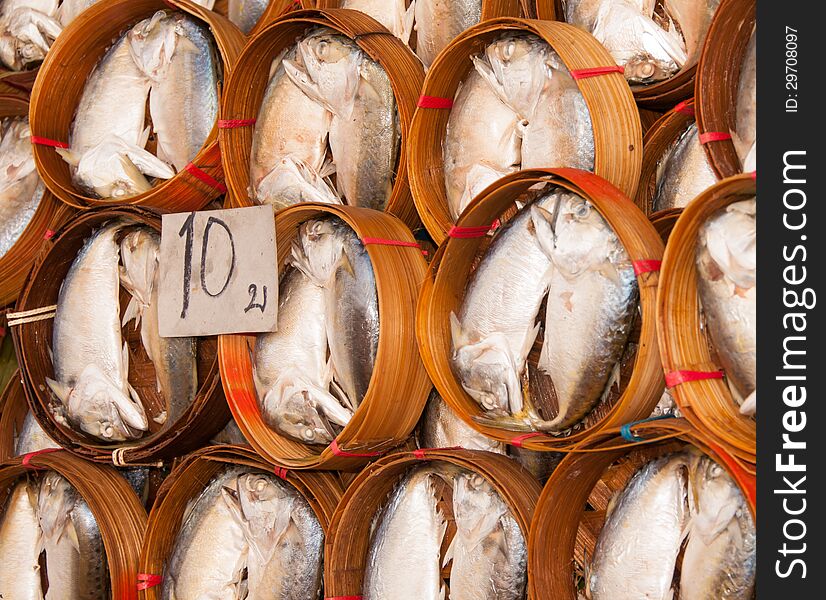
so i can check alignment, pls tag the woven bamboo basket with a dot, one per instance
(274, 10)
(399, 388)
(13, 409)
(208, 413)
(684, 345)
(718, 74)
(659, 96)
(490, 8)
(60, 85)
(248, 82)
(17, 82)
(657, 140)
(347, 548)
(615, 118)
(572, 509)
(647, 120)
(117, 510)
(50, 214)
(641, 377)
(321, 490)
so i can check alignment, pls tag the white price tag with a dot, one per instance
(218, 272)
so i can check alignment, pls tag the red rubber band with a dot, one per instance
(384, 242)
(148, 580)
(753, 175)
(646, 266)
(48, 234)
(234, 123)
(434, 102)
(2, 332)
(675, 378)
(205, 177)
(596, 71)
(714, 136)
(685, 109)
(339, 452)
(42, 141)
(520, 439)
(28, 457)
(419, 454)
(281, 472)
(472, 232)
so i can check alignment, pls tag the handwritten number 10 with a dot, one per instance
(188, 231)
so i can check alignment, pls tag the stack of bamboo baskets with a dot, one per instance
(347, 482)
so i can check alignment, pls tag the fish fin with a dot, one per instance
(669, 595)
(302, 80)
(457, 333)
(147, 163)
(613, 378)
(527, 344)
(71, 534)
(449, 552)
(407, 20)
(331, 378)
(134, 175)
(160, 419)
(132, 312)
(330, 406)
(73, 158)
(749, 406)
(59, 389)
(484, 69)
(143, 138)
(124, 358)
(233, 503)
(508, 422)
(544, 224)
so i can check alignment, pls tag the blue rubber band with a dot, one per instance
(625, 430)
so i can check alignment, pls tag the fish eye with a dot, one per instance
(323, 49)
(308, 434)
(107, 430)
(508, 50)
(582, 210)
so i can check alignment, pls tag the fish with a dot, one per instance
(284, 535)
(246, 13)
(637, 549)
(69, 10)
(646, 43)
(560, 131)
(404, 552)
(438, 22)
(337, 258)
(210, 551)
(31, 437)
(490, 346)
(138, 480)
(489, 551)
(727, 286)
(744, 135)
(107, 138)
(230, 434)
(393, 14)
(27, 30)
(178, 55)
(291, 371)
(21, 189)
(536, 462)
(683, 172)
(76, 566)
(91, 362)
(174, 358)
(477, 152)
(20, 544)
(720, 559)
(693, 18)
(441, 427)
(365, 133)
(289, 153)
(592, 300)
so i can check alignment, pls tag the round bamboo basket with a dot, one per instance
(658, 96)
(50, 214)
(657, 140)
(684, 345)
(615, 118)
(347, 547)
(321, 490)
(572, 509)
(17, 82)
(208, 413)
(247, 84)
(60, 85)
(641, 378)
(490, 8)
(117, 510)
(399, 388)
(274, 10)
(718, 75)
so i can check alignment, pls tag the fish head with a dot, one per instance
(572, 233)
(55, 500)
(716, 498)
(520, 64)
(477, 506)
(152, 43)
(731, 239)
(293, 411)
(102, 409)
(647, 69)
(333, 64)
(319, 250)
(8, 52)
(488, 373)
